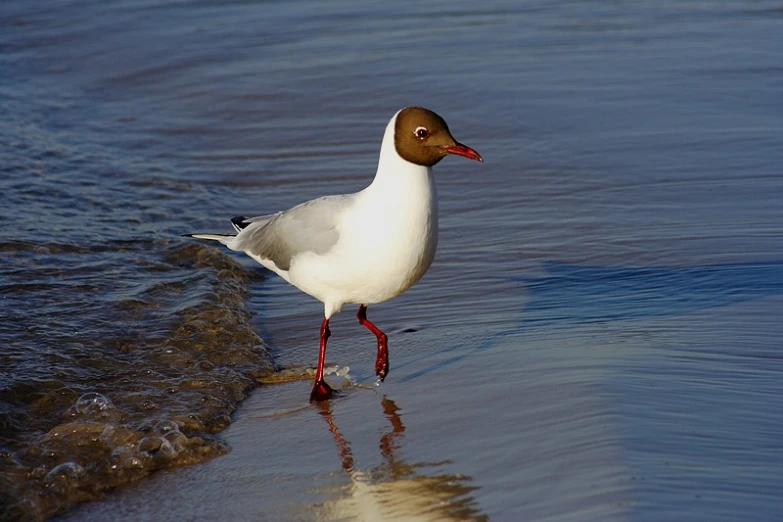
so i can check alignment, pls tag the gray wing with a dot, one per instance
(309, 227)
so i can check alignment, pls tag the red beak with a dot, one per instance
(463, 150)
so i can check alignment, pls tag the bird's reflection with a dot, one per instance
(395, 490)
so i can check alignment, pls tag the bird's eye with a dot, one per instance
(422, 133)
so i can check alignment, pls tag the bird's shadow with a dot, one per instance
(569, 295)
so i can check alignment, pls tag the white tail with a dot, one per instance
(223, 238)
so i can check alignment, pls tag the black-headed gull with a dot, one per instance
(362, 248)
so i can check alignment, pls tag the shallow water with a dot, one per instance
(598, 338)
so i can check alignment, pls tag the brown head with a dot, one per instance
(422, 137)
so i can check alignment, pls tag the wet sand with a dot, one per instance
(595, 414)
(369, 458)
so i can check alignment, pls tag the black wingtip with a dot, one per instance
(186, 235)
(239, 222)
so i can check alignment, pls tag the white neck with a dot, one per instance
(402, 194)
(394, 172)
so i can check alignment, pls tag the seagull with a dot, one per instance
(362, 248)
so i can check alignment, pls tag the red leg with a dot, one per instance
(382, 360)
(321, 390)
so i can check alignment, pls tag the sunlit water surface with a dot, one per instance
(598, 339)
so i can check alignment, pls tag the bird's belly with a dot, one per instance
(392, 271)
(373, 272)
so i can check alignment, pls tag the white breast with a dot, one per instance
(398, 233)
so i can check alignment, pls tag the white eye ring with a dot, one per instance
(422, 133)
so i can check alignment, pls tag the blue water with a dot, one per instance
(576, 294)
(598, 338)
